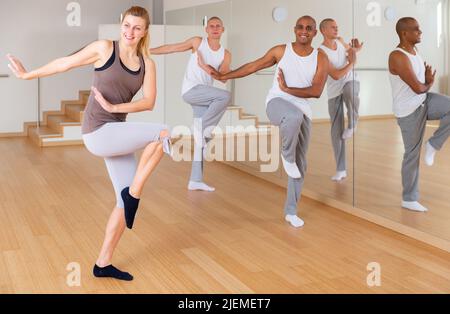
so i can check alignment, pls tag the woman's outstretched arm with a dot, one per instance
(88, 55)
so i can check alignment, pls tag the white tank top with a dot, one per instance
(298, 72)
(197, 76)
(338, 58)
(405, 100)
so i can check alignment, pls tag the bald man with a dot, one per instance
(342, 88)
(413, 104)
(301, 74)
(208, 103)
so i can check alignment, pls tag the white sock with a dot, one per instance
(430, 151)
(291, 168)
(200, 186)
(340, 175)
(414, 206)
(348, 133)
(295, 221)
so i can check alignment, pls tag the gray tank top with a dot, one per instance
(118, 84)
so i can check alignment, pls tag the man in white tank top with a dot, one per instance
(413, 104)
(301, 74)
(208, 102)
(342, 87)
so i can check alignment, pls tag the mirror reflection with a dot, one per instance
(401, 165)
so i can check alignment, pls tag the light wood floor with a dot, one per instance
(378, 159)
(55, 202)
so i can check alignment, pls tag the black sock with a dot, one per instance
(131, 207)
(112, 272)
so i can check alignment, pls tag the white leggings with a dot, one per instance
(117, 143)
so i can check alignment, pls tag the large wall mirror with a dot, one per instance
(360, 170)
(380, 142)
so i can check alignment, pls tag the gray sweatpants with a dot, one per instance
(117, 142)
(349, 96)
(208, 104)
(436, 107)
(295, 130)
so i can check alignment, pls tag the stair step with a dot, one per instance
(61, 119)
(44, 131)
(47, 114)
(74, 111)
(37, 134)
(57, 122)
(71, 114)
(84, 95)
(72, 102)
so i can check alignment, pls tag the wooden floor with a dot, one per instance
(377, 175)
(55, 202)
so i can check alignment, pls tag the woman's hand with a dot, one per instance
(102, 101)
(88, 55)
(16, 67)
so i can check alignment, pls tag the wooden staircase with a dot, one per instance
(239, 117)
(63, 127)
(60, 128)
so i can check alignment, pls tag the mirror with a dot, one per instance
(372, 188)
(379, 143)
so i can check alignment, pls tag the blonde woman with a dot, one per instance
(122, 68)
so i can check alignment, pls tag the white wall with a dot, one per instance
(379, 42)
(170, 5)
(38, 38)
(194, 15)
(37, 32)
(158, 12)
(251, 32)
